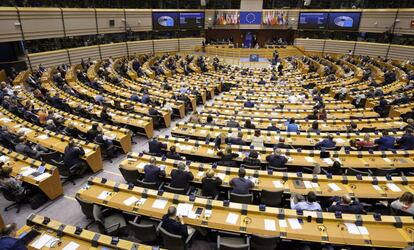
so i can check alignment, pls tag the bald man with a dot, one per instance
(345, 205)
(174, 224)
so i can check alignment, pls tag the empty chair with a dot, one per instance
(145, 233)
(283, 169)
(170, 189)
(232, 243)
(241, 198)
(250, 167)
(67, 174)
(384, 171)
(48, 157)
(87, 209)
(271, 198)
(149, 185)
(263, 242)
(352, 171)
(113, 225)
(173, 241)
(130, 176)
(17, 200)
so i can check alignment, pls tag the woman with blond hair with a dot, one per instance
(227, 157)
(210, 184)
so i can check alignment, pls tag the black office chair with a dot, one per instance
(48, 157)
(271, 198)
(67, 174)
(241, 198)
(18, 201)
(263, 242)
(87, 210)
(145, 233)
(250, 167)
(149, 185)
(113, 225)
(276, 169)
(173, 241)
(130, 176)
(384, 171)
(170, 189)
(354, 172)
(233, 243)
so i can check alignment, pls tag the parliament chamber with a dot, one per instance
(206, 124)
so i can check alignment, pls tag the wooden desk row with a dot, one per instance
(304, 124)
(301, 139)
(120, 135)
(49, 139)
(268, 95)
(366, 187)
(298, 157)
(134, 121)
(362, 230)
(48, 182)
(67, 236)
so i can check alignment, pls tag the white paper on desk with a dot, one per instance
(141, 165)
(282, 223)
(340, 140)
(352, 228)
(334, 187)
(42, 176)
(41, 242)
(294, 223)
(376, 187)
(5, 120)
(309, 159)
(307, 184)
(200, 174)
(183, 209)
(386, 159)
(131, 200)
(278, 184)
(87, 150)
(71, 246)
(363, 230)
(315, 184)
(192, 214)
(27, 171)
(24, 130)
(104, 195)
(109, 137)
(338, 160)
(42, 137)
(142, 201)
(210, 151)
(232, 218)
(221, 175)
(159, 203)
(328, 161)
(393, 187)
(270, 225)
(4, 159)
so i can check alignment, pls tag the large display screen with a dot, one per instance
(165, 20)
(344, 20)
(313, 20)
(250, 17)
(191, 20)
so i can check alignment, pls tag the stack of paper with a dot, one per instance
(104, 195)
(328, 161)
(282, 223)
(71, 246)
(183, 209)
(354, 229)
(221, 175)
(270, 225)
(42, 241)
(232, 218)
(26, 171)
(42, 176)
(159, 203)
(334, 187)
(278, 184)
(131, 200)
(210, 151)
(294, 224)
(393, 187)
(308, 184)
(309, 159)
(43, 137)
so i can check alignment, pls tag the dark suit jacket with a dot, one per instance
(181, 179)
(153, 174)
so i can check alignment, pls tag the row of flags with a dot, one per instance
(271, 18)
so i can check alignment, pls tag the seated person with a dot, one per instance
(310, 204)
(257, 139)
(406, 142)
(248, 104)
(238, 140)
(209, 120)
(314, 128)
(232, 123)
(313, 116)
(153, 111)
(241, 185)
(152, 172)
(71, 130)
(227, 157)
(249, 125)
(273, 127)
(194, 118)
(172, 154)
(219, 140)
(13, 185)
(252, 159)
(292, 126)
(335, 169)
(261, 82)
(24, 147)
(105, 117)
(174, 224)
(210, 185)
(366, 143)
(282, 143)
(8, 240)
(155, 147)
(276, 160)
(386, 142)
(92, 132)
(72, 157)
(352, 128)
(181, 177)
(328, 142)
(345, 205)
(405, 203)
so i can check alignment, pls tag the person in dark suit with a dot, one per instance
(276, 159)
(92, 132)
(328, 142)
(282, 143)
(249, 125)
(152, 172)
(406, 142)
(72, 131)
(219, 140)
(172, 154)
(56, 101)
(252, 159)
(227, 157)
(345, 205)
(23, 147)
(241, 185)
(210, 184)
(153, 111)
(105, 117)
(8, 238)
(238, 140)
(174, 224)
(72, 156)
(180, 178)
(232, 123)
(273, 127)
(248, 104)
(386, 142)
(155, 147)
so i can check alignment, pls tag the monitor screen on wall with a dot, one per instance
(344, 20)
(313, 20)
(191, 20)
(165, 20)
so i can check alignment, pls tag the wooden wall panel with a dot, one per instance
(139, 20)
(165, 45)
(377, 21)
(310, 44)
(40, 23)
(403, 26)
(339, 47)
(104, 17)
(371, 49)
(9, 31)
(48, 59)
(189, 44)
(76, 54)
(398, 52)
(79, 22)
(115, 50)
(140, 47)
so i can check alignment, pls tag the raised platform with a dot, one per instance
(226, 51)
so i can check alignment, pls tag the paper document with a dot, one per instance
(328, 161)
(131, 200)
(308, 184)
(334, 187)
(71, 246)
(183, 209)
(309, 159)
(352, 228)
(393, 187)
(340, 140)
(159, 204)
(294, 223)
(41, 242)
(42, 176)
(282, 223)
(4, 159)
(27, 171)
(270, 225)
(104, 195)
(221, 175)
(141, 201)
(210, 151)
(315, 185)
(376, 187)
(200, 174)
(232, 218)
(278, 184)
(386, 159)
(43, 137)
(363, 230)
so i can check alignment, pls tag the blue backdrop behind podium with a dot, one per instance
(254, 58)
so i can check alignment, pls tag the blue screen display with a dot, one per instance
(165, 20)
(344, 20)
(191, 20)
(313, 20)
(250, 17)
